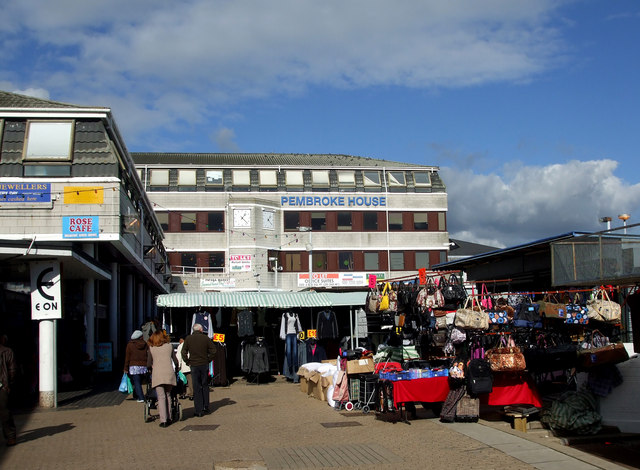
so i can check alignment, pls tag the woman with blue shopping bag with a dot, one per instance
(135, 363)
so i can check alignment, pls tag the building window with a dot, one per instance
(371, 261)
(395, 221)
(216, 260)
(49, 141)
(441, 222)
(396, 260)
(213, 177)
(291, 220)
(186, 180)
(370, 221)
(318, 221)
(319, 260)
(344, 221)
(346, 179)
(320, 178)
(241, 178)
(159, 180)
(371, 178)
(422, 259)
(215, 221)
(268, 178)
(163, 219)
(188, 260)
(422, 178)
(345, 260)
(294, 178)
(292, 262)
(420, 221)
(187, 221)
(396, 178)
(47, 170)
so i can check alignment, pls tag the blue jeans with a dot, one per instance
(136, 379)
(291, 350)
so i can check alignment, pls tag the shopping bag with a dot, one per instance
(124, 385)
(129, 385)
(182, 377)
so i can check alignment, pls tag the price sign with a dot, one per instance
(301, 335)
(372, 281)
(312, 333)
(218, 337)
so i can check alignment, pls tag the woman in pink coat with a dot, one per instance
(164, 363)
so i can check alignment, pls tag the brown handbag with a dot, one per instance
(506, 358)
(592, 356)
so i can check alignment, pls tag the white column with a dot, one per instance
(47, 364)
(114, 310)
(90, 316)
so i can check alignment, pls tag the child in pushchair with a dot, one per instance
(151, 400)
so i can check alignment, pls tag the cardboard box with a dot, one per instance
(330, 361)
(360, 366)
(320, 385)
(305, 385)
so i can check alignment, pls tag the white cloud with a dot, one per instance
(225, 140)
(184, 62)
(527, 203)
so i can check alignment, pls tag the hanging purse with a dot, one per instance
(576, 313)
(527, 315)
(551, 308)
(598, 351)
(602, 308)
(507, 357)
(485, 299)
(384, 299)
(373, 301)
(471, 317)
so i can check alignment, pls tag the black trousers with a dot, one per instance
(6, 418)
(200, 377)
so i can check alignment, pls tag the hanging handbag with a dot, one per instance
(550, 354)
(373, 301)
(602, 308)
(551, 308)
(384, 298)
(576, 313)
(485, 299)
(507, 357)
(468, 318)
(452, 290)
(527, 315)
(596, 352)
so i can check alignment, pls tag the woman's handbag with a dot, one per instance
(506, 358)
(549, 354)
(602, 308)
(452, 290)
(527, 315)
(373, 301)
(485, 299)
(596, 352)
(384, 298)
(469, 318)
(551, 308)
(125, 384)
(576, 313)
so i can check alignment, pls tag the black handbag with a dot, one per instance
(479, 377)
(548, 355)
(452, 290)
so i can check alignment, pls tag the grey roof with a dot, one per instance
(266, 159)
(14, 100)
(462, 248)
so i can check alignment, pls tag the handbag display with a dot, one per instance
(550, 354)
(384, 298)
(506, 358)
(596, 352)
(576, 313)
(373, 301)
(551, 308)
(469, 318)
(452, 290)
(527, 315)
(602, 308)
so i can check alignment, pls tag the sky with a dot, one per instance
(529, 108)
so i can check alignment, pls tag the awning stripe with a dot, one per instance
(261, 299)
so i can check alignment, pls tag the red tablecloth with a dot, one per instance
(508, 389)
(420, 390)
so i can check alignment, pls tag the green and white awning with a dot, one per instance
(262, 299)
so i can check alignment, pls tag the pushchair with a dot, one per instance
(151, 400)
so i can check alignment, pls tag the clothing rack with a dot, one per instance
(415, 276)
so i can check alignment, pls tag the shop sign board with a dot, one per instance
(25, 192)
(336, 279)
(46, 301)
(239, 263)
(81, 227)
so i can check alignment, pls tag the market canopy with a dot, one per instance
(261, 299)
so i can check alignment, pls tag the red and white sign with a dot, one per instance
(239, 263)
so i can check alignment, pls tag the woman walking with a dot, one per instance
(163, 363)
(135, 363)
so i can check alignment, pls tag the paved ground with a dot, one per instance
(272, 426)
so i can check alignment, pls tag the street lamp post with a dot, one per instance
(275, 270)
(309, 248)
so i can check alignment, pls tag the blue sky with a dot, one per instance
(530, 108)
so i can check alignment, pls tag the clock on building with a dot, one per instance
(242, 218)
(267, 220)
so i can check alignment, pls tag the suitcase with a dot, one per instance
(467, 409)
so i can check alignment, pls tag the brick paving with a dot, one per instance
(271, 425)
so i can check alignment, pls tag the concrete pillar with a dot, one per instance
(90, 316)
(128, 305)
(114, 310)
(47, 364)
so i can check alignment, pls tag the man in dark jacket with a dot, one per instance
(198, 350)
(8, 371)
